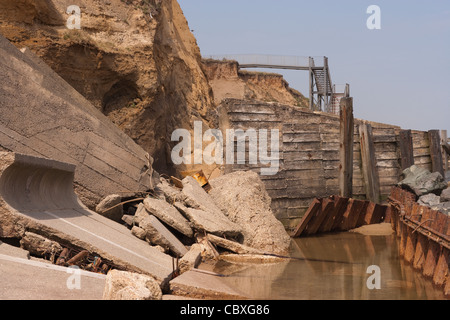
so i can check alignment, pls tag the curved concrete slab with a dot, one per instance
(37, 194)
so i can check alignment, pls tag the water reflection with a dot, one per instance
(333, 267)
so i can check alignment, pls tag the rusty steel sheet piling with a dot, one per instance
(424, 237)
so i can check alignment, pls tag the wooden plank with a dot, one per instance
(406, 149)
(316, 222)
(341, 207)
(312, 210)
(437, 163)
(346, 147)
(369, 163)
(445, 149)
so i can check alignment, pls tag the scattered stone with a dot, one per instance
(158, 234)
(421, 181)
(40, 246)
(429, 200)
(139, 232)
(122, 285)
(191, 259)
(172, 194)
(445, 195)
(141, 213)
(247, 203)
(128, 219)
(211, 222)
(232, 245)
(104, 207)
(168, 214)
(443, 207)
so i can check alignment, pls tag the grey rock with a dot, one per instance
(168, 214)
(104, 207)
(158, 234)
(443, 207)
(122, 285)
(445, 195)
(248, 204)
(421, 181)
(429, 200)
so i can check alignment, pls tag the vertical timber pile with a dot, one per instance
(406, 149)
(369, 163)
(346, 147)
(437, 162)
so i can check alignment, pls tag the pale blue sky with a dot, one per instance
(398, 75)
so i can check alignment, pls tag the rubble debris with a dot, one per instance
(191, 259)
(200, 177)
(421, 181)
(250, 258)
(128, 219)
(203, 286)
(139, 232)
(243, 196)
(171, 194)
(40, 246)
(232, 246)
(78, 258)
(197, 198)
(445, 195)
(158, 234)
(214, 222)
(109, 207)
(123, 285)
(168, 214)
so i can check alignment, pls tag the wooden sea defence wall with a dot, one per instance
(310, 155)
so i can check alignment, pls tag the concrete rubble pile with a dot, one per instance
(431, 188)
(193, 225)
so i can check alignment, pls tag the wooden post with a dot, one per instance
(346, 148)
(369, 163)
(444, 144)
(406, 149)
(437, 162)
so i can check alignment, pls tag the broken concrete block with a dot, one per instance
(172, 194)
(104, 207)
(232, 245)
(191, 259)
(158, 234)
(197, 197)
(128, 219)
(40, 246)
(196, 284)
(141, 213)
(138, 232)
(247, 203)
(168, 214)
(122, 285)
(211, 222)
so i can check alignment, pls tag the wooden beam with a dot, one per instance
(445, 148)
(346, 148)
(437, 162)
(406, 149)
(369, 163)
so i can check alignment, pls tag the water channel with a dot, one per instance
(334, 267)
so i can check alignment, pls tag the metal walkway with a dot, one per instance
(323, 95)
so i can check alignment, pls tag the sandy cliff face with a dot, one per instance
(135, 60)
(227, 81)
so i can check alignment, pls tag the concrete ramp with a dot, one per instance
(37, 195)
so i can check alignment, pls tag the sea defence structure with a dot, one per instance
(41, 115)
(36, 195)
(318, 158)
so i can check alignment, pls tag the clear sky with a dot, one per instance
(399, 74)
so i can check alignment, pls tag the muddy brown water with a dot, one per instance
(334, 267)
